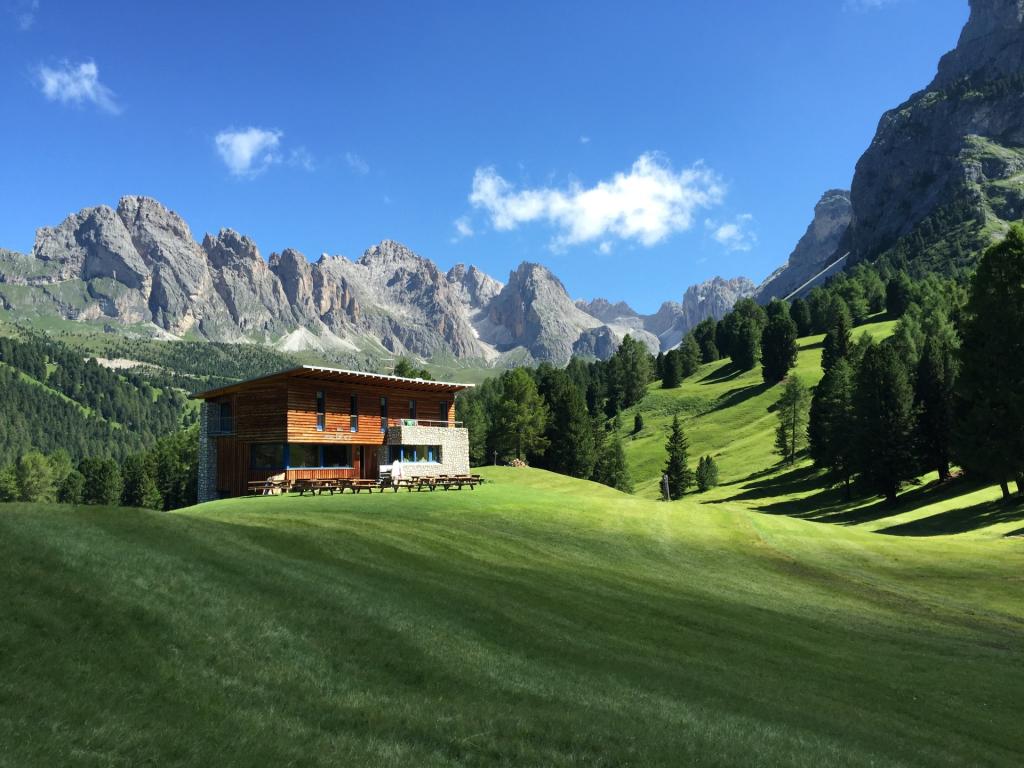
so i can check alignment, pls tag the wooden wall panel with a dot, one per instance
(302, 411)
(261, 414)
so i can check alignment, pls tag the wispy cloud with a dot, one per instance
(24, 12)
(584, 139)
(77, 84)
(735, 235)
(463, 228)
(647, 204)
(866, 5)
(250, 151)
(300, 157)
(356, 164)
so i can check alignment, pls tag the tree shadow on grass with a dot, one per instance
(798, 480)
(727, 372)
(970, 518)
(739, 395)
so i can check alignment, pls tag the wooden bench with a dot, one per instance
(318, 486)
(268, 487)
(364, 483)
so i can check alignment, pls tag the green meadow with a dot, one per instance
(537, 620)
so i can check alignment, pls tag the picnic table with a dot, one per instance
(268, 487)
(433, 482)
(317, 486)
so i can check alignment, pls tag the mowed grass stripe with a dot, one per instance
(536, 620)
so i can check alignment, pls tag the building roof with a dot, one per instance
(318, 373)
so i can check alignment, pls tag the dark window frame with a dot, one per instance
(321, 410)
(353, 413)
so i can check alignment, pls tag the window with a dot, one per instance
(383, 414)
(353, 414)
(266, 456)
(443, 412)
(412, 409)
(421, 454)
(337, 456)
(321, 411)
(303, 455)
(227, 421)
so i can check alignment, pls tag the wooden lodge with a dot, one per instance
(326, 423)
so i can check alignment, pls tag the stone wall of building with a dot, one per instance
(454, 449)
(209, 415)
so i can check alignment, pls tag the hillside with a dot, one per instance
(537, 620)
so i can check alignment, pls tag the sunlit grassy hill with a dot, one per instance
(726, 413)
(537, 620)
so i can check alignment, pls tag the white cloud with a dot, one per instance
(647, 204)
(248, 152)
(584, 139)
(463, 227)
(300, 157)
(734, 235)
(76, 84)
(605, 247)
(25, 13)
(357, 164)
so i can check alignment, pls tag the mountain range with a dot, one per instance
(943, 177)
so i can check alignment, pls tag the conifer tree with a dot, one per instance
(611, 467)
(689, 356)
(839, 337)
(791, 408)
(571, 449)
(102, 481)
(778, 348)
(830, 429)
(704, 334)
(800, 311)
(139, 488)
(885, 421)
(990, 427)
(935, 393)
(638, 423)
(672, 370)
(707, 474)
(680, 476)
(520, 416)
(71, 488)
(746, 344)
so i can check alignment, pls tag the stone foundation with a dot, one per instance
(454, 444)
(207, 490)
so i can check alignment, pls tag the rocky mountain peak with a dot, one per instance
(228, 248)
(605, 311)
(991, 45)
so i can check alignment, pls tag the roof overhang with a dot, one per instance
(336, 375)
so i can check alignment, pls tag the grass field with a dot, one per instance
(536, 621)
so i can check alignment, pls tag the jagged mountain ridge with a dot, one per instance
(139, 265)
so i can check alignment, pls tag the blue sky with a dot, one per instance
(634, 148)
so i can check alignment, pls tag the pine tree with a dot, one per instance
(746, 345)
(831, 426)
(520, 416)
(571, 449)
(898, 294)
(139, 488)
(707, 474)
(72, 488)
(611, 467)
(839, 337)
(672, 370)
(778, 348)
(704, 334)
(800, 311)
(990, 427)
(791, 408)
(680, 476)
(885, 421)
(689, 356)
(935, 393)
(638, 423)
(102, 481)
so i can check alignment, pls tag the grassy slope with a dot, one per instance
(726, 413)
(535, 621)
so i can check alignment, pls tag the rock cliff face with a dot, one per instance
(816, 248)
(945, 171)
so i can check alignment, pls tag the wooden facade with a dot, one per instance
(311, 406)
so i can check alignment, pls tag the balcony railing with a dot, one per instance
(423, 423)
